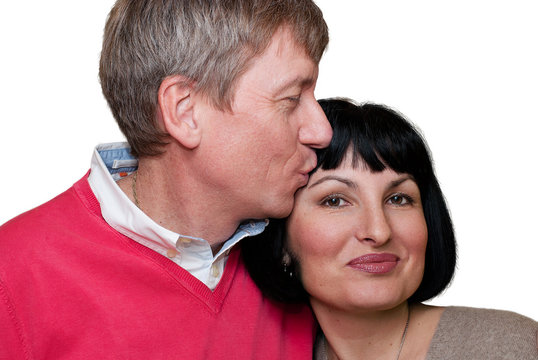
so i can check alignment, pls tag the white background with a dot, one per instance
(466, 72)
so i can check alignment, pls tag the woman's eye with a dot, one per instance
(334, 202)
(399, 199)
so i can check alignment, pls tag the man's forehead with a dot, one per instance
(284, 39)
(301, 70)
(284, 66)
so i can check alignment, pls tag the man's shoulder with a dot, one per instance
(44, 220)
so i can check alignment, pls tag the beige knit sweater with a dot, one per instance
(477, 334)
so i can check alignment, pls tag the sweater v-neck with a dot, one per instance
(212, 299)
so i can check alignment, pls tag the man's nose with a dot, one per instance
(315, 131)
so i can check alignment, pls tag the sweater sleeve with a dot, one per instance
(12, 340)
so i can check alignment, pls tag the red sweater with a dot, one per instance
(71, 287)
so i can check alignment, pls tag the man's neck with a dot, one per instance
(183, 207)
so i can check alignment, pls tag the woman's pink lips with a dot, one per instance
(375, 263)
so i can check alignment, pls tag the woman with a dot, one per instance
(369, 239)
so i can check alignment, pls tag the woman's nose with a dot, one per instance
(373, 226)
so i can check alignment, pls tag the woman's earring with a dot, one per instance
(286, 264)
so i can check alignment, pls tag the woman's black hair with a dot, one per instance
(381, 138)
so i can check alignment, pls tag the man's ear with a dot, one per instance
(174, 99)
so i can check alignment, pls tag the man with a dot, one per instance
(139, 259)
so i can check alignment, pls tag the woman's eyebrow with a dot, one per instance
(345, 181)
(401, 180)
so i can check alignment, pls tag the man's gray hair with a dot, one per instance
(209, 42)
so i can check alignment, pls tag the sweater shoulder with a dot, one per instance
(475, 318)
(484, 333)
(58, 215)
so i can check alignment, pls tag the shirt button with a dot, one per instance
(171, 253)
(185, 242)
(215, 271)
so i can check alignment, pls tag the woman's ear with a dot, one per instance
(174, 101)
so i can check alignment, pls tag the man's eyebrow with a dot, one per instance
(299, 81)
(344, 181)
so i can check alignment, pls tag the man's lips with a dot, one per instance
(375, 263)
(310, 163)
(305, 179)
(306, 173)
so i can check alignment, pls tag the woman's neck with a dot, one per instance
(378, 334)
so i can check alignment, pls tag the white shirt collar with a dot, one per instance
(112, 161)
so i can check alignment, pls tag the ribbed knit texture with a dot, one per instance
(71, 287)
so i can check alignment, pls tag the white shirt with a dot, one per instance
(111, 162)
